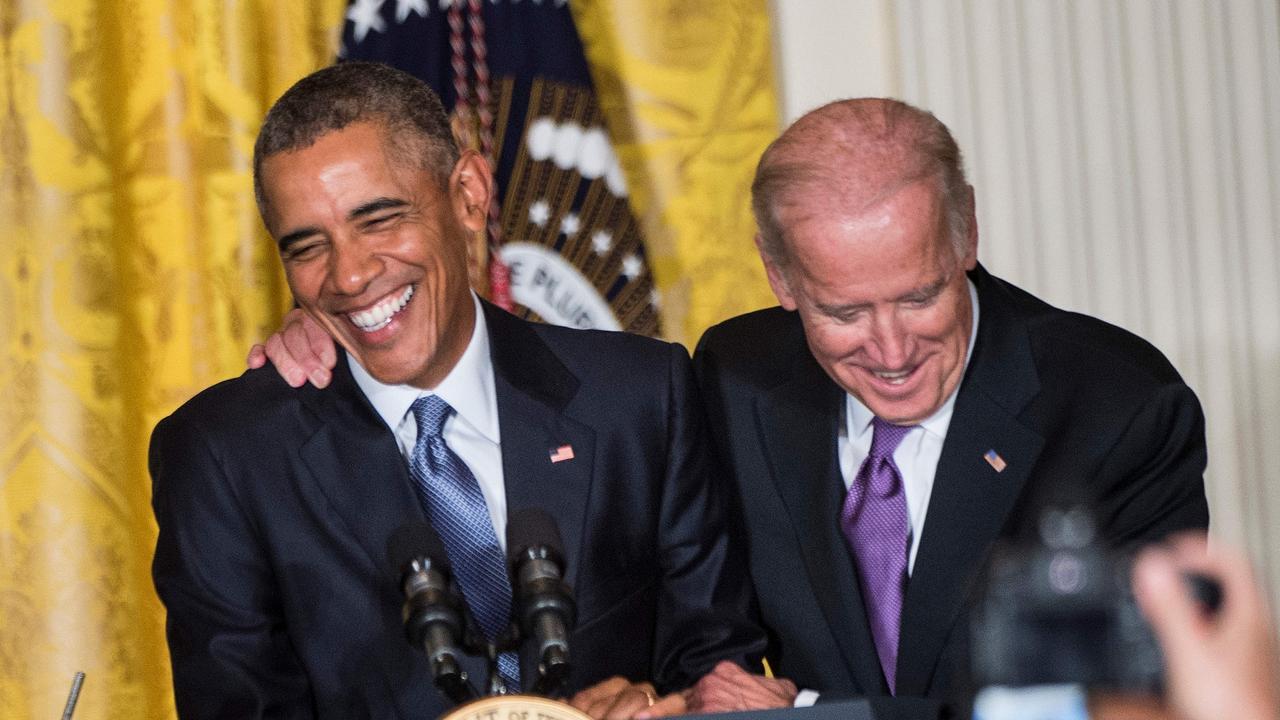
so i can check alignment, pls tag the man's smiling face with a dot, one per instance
(374, 248)
(883, 298)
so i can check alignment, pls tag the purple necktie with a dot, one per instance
(874, 521)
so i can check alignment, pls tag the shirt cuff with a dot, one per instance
(806, 698)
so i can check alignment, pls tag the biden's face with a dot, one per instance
(883, 298)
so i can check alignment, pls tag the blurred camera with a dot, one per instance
(1060, 610)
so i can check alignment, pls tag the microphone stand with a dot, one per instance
(477, 644)
(496, 685)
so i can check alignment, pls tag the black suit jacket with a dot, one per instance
(1059, 396)
(275, 506)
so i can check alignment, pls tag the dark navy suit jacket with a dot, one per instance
(1061, 397)
(275, 506)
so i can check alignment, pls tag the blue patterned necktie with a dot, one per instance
(456, 508)
(874, 520)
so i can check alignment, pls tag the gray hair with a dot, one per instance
(865, 149)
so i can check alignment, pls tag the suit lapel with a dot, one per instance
(354, 459)
(799, 421)
(971, 500)
(533, 389)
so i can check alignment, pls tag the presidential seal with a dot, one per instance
(515, 707)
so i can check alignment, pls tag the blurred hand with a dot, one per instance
(729, 687)
(619, 699)
(1222, 666)
(300, 351)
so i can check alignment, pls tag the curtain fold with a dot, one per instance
(688, 92)
(133, 273)
(134, 270)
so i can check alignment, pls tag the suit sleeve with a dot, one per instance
(1158, 464)
(705, 599)
(231, 655)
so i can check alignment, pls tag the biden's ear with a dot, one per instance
(471, 190)
(777, 277)
(970, 259)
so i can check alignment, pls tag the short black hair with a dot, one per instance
(334, 97)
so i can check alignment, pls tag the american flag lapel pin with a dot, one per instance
(562, 453)
(994, 460)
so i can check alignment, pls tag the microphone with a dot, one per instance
(543, 599)
(432, 607)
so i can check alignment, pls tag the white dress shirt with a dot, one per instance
(471, 432)
(917, 455)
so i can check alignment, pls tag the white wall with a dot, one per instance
(1126, 157)
(832, 49)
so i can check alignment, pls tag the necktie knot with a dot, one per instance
(431, 412)
(886, 437)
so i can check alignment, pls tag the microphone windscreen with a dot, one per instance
(416, 540)
(532, 527)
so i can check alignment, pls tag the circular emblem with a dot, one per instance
(547, 284)
(515, 707)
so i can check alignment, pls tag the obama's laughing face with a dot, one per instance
(374, 248)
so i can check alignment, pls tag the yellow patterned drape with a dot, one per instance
(687, 89)
(133, 272)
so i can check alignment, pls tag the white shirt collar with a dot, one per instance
(468, 388)
(860, 416)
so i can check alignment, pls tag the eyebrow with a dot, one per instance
(360, 211)
(838, 310)
(925, 292)
(376, 205)
(921, 293)
(286, 240)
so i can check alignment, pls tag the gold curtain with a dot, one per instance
(687, 89)
(133, 272)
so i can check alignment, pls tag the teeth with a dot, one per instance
(896, 378)
(379, 316)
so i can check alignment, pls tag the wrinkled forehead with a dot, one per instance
(896, 245)
(859, 200)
